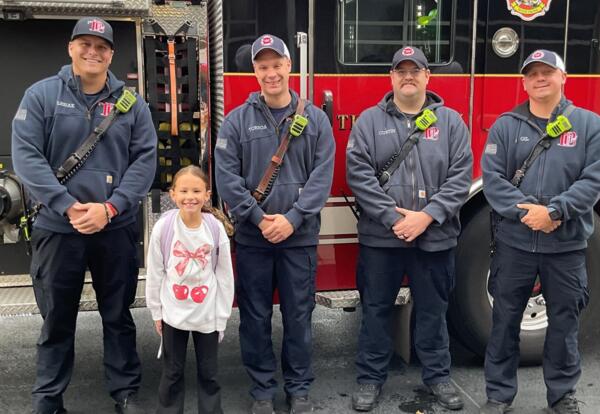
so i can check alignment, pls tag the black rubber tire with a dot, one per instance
(470, 311)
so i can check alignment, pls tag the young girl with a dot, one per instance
(189, 288)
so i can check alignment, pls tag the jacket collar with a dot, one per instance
(74, 83)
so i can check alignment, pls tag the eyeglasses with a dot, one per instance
(403, 73)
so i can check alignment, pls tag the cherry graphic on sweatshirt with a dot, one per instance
(181, 291)
(199, 293)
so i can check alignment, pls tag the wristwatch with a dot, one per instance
(554, 213)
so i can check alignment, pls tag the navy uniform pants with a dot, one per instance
(379, 277)
(57, 269)
(291, 271)
(171, 391)
(564, 286)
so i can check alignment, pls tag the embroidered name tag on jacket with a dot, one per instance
(568, 139)
(65, 104)
(257, 128)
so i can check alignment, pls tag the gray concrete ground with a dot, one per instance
(334, 349)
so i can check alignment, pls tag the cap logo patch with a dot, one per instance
(568, 139)
(408, 51)
(432, 133)
(266, 41)
(537, 55)
(96, 26)
(528, 9)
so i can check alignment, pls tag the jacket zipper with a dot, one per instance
(267, 113)
(537, 190)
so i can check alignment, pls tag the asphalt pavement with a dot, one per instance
(335, 342)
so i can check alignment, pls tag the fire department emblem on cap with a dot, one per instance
(266, 41)
(96, 26)
(528, 9)
(537, 55)
(408, 51)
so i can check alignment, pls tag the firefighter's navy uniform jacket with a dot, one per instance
(434, 178)
(247, 139)
(53, 120)
(566, 178)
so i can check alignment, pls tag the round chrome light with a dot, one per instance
(505, 42)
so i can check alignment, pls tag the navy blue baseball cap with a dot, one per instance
(547, 57)
(271, 42)
(412, 54)
(94, 26)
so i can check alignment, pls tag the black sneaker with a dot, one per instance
(566, 405)
(366, 397)
(494, 407)
(299, 404)
(446, 395)
(262, 407)
(129, 405)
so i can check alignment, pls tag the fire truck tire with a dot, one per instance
(470, 312)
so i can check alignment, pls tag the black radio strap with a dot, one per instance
(543, 144)
(395, 160)
(76, 160)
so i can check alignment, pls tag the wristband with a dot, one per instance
(106, 212)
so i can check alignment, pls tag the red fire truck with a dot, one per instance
(341, 62)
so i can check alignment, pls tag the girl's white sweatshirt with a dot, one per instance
(188, 294)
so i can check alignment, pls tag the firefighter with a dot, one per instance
(408, 223)
(277, 226)
(89, 222)
(543, 218)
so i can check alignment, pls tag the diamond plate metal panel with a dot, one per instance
(128, 8)
(351, 298)
(171, 18)
(21, 300)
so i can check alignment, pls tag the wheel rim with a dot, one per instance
(534, 316)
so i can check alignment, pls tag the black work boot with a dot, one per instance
(262, 407)
(366, 397)
(494, 407)
(566, 405)
(299, 404)
(129, 405)
(446, 395)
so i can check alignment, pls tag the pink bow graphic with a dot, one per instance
(199, 255)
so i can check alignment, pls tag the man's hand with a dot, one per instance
(92, 221)
(75, 211)
(412, 225)
(538, 218)
(278, 228)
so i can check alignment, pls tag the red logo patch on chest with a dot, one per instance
(432, 133)
(568, 139)
(106, 108)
